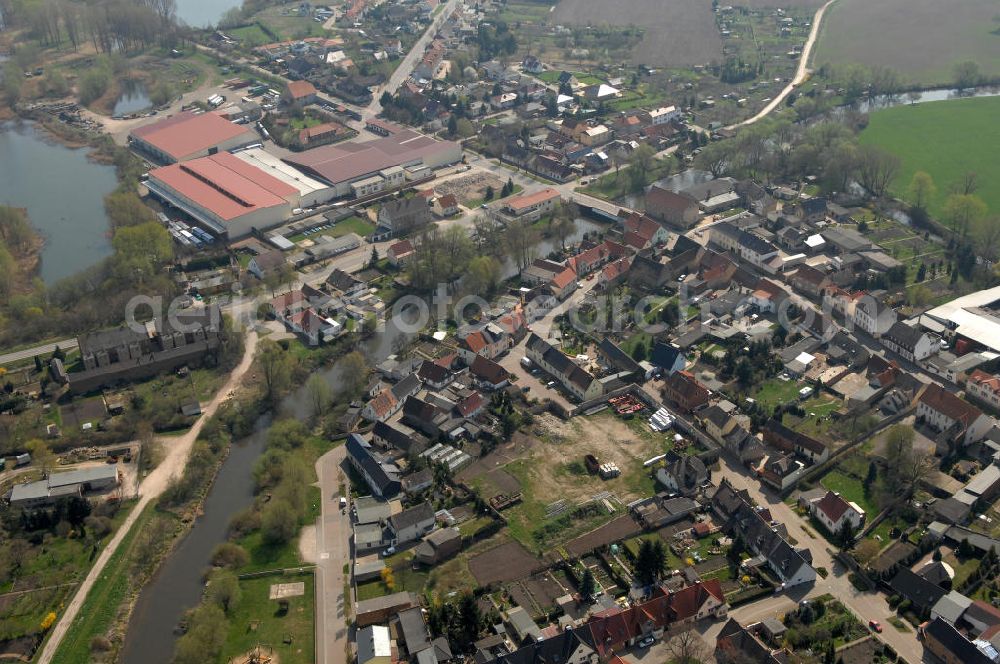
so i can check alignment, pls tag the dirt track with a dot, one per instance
(177, 451)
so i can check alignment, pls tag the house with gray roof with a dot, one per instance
(411, 524)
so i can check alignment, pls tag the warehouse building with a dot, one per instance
(189, 135)
(312, 192)
(227, 194)
(64, 485)
(365, 168)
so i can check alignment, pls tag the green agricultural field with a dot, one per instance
(946, 139)
(922, 39)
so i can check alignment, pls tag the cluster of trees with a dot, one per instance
(16, 238)
(281, 473)
(460, 621)
(780, 149)
(751, 365)
(495, 40)
(123, 26)
(906, 466)
(650, 561)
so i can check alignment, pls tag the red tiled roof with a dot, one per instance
(224, 185)
(383, 402)
(564, 278)
(401, 248)
(285, 300)
(448, 201)
(833, 506)
(988, 381)
(470, 404)
(517, 203)
(300, 89)
(186, 133)
(658, 198)
(475, 342)
(619, 267)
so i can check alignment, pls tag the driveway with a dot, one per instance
(333, 540)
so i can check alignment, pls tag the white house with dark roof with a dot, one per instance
(955, 418)
(411, 524)
(577, 380)
(873, 315)
(911, 342)
(834, 513)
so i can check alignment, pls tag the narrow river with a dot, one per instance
(178, 584)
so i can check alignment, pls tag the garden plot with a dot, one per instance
(507, 562)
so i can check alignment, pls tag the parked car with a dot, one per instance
(875, 625)
(646, 642)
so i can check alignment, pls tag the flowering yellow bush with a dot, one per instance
(48, 620)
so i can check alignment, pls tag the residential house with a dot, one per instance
(489, 375)
(763, 537)
(529, 207)
(438, 546)
(835, 513)
(446, 206)
(312, 327)
(399, 438)
(345, 284)
(489, 341)
(810, 281)
(786, 439)
(682, 474)
(399, 216)
(750, 247)
(678, 210)
(950, 646)
(411, 524)
(984, 388)
(434, 375)
(683, 388)
(299, 92)
(782, 471)
(668, 358)
(756, 199)
(541, 271)
(922, 593)
(958, 420)
(266, 263)
(374, 645)
(740, 645)
(287, 304)
(400, 253)
(640, 231)
(564, 284)
(381, 476)
(664, 114)
(574, 378)
(873, 315)
(909, 341)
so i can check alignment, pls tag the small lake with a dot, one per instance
(132, 99)
(939, 94)
(203, 13)
(63, 192)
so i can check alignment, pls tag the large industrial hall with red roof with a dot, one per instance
(217, 172)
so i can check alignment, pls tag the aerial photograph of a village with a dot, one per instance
(500, 331)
